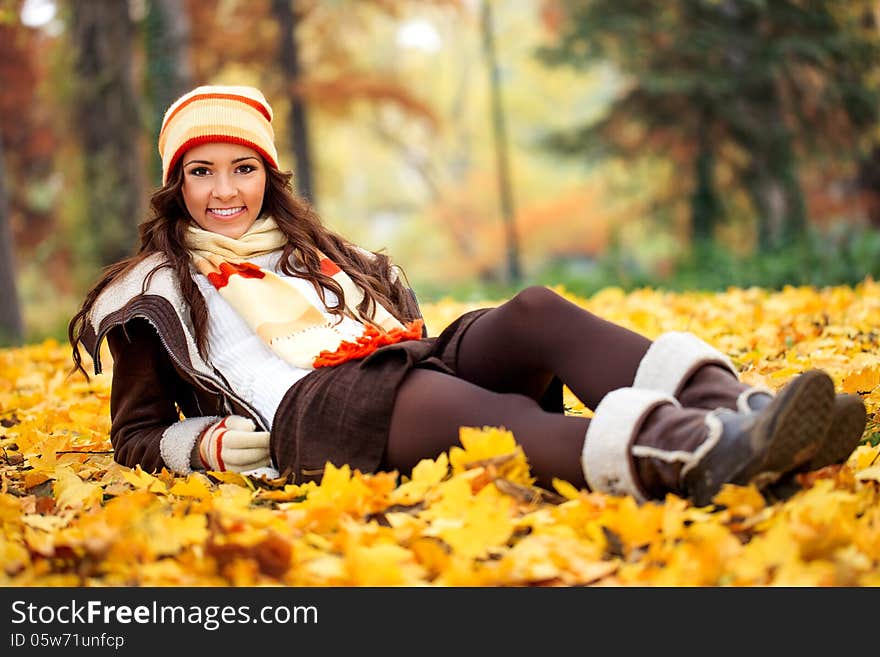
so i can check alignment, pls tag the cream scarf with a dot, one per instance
(291, 324)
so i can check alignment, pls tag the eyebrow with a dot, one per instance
(235, 161)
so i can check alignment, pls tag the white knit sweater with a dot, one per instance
(251, 368)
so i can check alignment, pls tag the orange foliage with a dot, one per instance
(335, 94)
(29, 141)
(577, 221)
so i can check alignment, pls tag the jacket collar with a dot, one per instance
(149, 290)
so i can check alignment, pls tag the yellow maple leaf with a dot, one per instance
(494, 445)
(143, 480)
(471, 524)
(71, 491)
(863, 380)
(41, 450)
(425, 475)
(195, 485)
(345, 491)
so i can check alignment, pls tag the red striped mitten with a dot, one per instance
(232, 444)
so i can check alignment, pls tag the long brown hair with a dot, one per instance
(164, 231)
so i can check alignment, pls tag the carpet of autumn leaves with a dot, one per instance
(70, 516)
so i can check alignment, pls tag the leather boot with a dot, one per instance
(643, 443)
(700, 376)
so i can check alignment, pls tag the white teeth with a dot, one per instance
(225, 212)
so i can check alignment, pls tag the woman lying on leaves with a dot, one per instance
(246, 336)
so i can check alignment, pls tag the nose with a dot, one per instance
(223, 187)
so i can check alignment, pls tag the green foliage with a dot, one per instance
(843, 255)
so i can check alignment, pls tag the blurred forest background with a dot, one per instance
(484, 144)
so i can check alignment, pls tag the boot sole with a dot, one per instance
(791, 436)
(847, 427)
(785, 435)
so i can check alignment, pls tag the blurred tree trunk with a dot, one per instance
(502, 159)
(705, 205)
(108, 125)
(11, 326)
(291, 69)
(775, 191)
(868, 180)
(169, 69)
(868, 171)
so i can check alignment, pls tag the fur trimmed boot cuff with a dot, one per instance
(606, 456)
(673, 358)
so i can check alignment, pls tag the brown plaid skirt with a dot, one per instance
(342, 414)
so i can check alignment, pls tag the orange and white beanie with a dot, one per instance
(233, 114)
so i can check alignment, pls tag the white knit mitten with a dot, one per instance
(232, 444)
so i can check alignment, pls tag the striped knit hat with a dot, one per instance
(237, 115)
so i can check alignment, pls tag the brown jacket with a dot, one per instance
(163, 392)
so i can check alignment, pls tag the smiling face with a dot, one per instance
(223, 187)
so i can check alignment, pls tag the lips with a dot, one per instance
(226, 213)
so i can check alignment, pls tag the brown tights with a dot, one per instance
(505, 362)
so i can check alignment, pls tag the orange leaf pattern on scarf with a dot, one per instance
(371, 340)
(227, 269)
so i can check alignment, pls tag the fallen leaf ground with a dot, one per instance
(70, 516)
